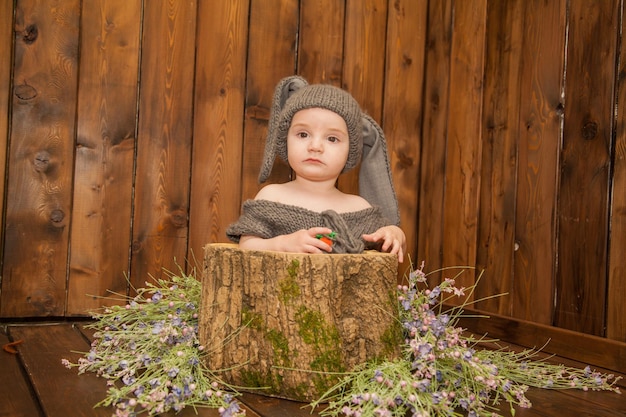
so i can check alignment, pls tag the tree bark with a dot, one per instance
(290, 322)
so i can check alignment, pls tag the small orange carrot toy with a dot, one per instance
(328, 238)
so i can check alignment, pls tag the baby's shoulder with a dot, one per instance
(271, 192)
(351, 203)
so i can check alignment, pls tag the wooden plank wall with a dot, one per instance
(134, 130)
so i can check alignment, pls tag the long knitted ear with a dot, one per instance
(285, 88)
(375, 182)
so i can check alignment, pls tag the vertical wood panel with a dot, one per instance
(320, 52)
(463, 153)
(539, 130)
(364, 64)
(583, 193)
(6, 50)
(402, 113)
(160, 220)
(271, 56)
(105, 147)
(496, 234)
(40, 160)
(218, 121)
(434, 136)
(616, 319)
(364, 53)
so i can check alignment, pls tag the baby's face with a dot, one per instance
(318, 143)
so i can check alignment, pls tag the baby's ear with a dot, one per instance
(284, 89)
(375, 181)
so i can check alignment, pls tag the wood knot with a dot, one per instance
(405, 161)
(406, 61)
(590, 130)
(258, 113)
(25, 92)
(56, 217)
(30, 34)
(136, 246)
(178, 218)
(434, 100)
(42, 161)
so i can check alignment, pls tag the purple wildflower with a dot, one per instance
(157, 328)
(434, 294)
(128, 379)
(139, 390)
(468, 354)
(424, 349)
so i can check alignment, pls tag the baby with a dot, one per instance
(321, 132)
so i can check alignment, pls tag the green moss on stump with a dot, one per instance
(324, 339)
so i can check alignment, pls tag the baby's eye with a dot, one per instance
(302, 135)
(333, 139)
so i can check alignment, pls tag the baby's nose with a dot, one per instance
(315, 144)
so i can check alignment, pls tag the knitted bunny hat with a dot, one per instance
(367, 140)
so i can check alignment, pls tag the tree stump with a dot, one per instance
(288, 323)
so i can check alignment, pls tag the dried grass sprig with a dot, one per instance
(149, 353)
(443, 371)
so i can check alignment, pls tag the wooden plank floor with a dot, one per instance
(34, 383)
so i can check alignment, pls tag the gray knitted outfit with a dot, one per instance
(267, 219)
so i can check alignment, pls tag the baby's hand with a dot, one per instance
(392, 240)
(307, 241)
(302, 241)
